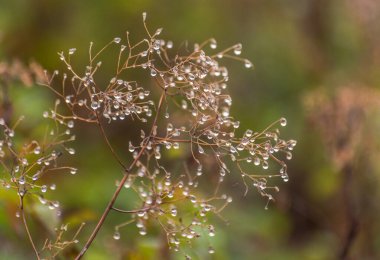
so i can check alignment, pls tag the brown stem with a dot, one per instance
(119, 187)
(109, 144)
(26, 227)
(351, 213)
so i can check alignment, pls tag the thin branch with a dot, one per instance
(119, 188)
(109, 144)
(27, 228)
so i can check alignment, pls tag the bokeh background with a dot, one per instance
(317, 63)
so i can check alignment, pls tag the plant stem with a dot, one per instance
(26, 227)
(353, 222)
(121, 183)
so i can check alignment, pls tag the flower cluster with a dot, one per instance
(186, 107)
(24, 167)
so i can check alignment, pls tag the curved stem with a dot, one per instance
(119, 187)
(131, 211)
(27, 228)
(108, 143)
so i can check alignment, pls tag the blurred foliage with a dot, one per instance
(297, 47)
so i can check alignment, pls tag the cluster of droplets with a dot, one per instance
(117, 101)
(173, 201)
(25, 166)
(196, 82)
(123, 102)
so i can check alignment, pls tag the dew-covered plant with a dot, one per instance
(183, 105)
(25, 163)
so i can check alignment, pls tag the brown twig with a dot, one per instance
(119, 187)
(352, 218)
(27, 228)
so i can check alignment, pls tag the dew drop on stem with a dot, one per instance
(283, 121)
(72, 51)
(213, 44)
(116, 235)
(248, 64)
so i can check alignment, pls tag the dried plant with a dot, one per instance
(25, 163)
(341, 118)
(187, 108)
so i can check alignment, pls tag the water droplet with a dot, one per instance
(248, 133)
(153, 72)
(156, 45)
(211, 250)
(283, 121)
(169, 44)
(213, 44)
(72, 50)
(68, 99)
(173, 211)
(176, 145)
(70, 124)
(169, 127)
(292, 144)
(131, 147)
(256, 161)
(37, 150)
(248, 64)
(94, 105)
(265, 165)
(55, 204)
(73, 171)
(142, 232)
(17, 214)
(117, 40)
(285, 177)
(116, 235)
(184, 104)
(24, 161)
(237, 49)
(42, 200)
(200, 149)
(43, 188)
(158, 31)
(289, 155)
(21, 181)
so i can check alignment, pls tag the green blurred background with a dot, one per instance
(316, 61)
